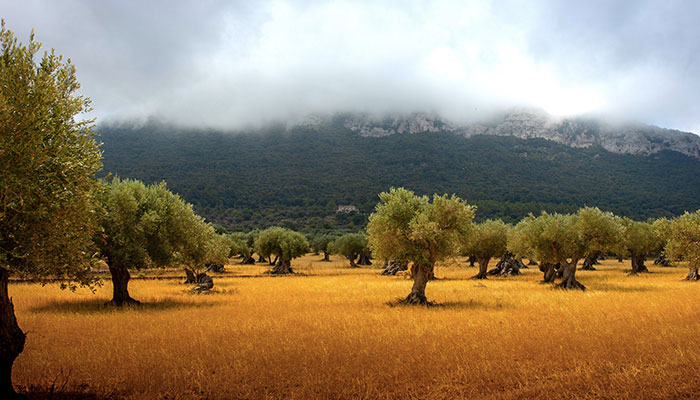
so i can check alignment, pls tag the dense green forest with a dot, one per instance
(298, 177)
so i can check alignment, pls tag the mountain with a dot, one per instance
(574, 132)
(299, 174)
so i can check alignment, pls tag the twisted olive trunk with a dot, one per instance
(549, 270)
(282, 267)
(483, 266)
(326, 256)
(352, 261)
(11, 338)
(421, 275)
(568, 277)
(120, 286)
(693, 274)
(638, 266)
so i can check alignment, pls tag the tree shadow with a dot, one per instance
(98, 306)
(83, 392)
(452, 305)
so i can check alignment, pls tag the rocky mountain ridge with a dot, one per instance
(637, 139)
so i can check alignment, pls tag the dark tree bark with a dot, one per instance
(275, 261)
(11, 339)
(392, 267)
(326, 256)
(190, 276)
(568, 278)
(471, 260)
(282, 267)
(352, 262)
(693, 274)
(550, 271)
(421, 276)
(588, 263)
(619, 258)
(218, 268)
(261, 259)
(532, 262)
(364, 260)
(204, 283)
(120, 287)
(248, 260)
(508, 265)
(638, 266)
(483, 265)
(662, 261)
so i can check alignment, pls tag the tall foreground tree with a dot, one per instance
(414, 228)
(684, 241)
(485, 241)
(47, 164)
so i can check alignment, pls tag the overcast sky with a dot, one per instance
(227, 64)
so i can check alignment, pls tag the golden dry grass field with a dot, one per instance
(330, 333)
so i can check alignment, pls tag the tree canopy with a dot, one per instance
(485, 241)
(414, 228)
(48, 160)
(684, 242)
(283, 243)
(350, 246)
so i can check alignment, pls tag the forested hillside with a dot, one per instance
(297, 177)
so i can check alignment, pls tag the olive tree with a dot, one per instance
(684, 242)
(564, 239)
(197, 243)
(241, 245)
(414, 228)
(283, 243)
(638, 240)
(146, 226)
(48, 159)
(350, 246)
(321, 243)
(485, 241)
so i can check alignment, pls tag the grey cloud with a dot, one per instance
(225, 64)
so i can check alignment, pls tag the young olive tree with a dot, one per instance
(684, 242)
(48, 160)
(283, 243)
(565, 239)
(413, 228)
(638, 240)
(485, 241)
(350, 246)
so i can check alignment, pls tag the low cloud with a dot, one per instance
(226, 65)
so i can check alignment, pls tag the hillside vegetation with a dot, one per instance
(297, 177)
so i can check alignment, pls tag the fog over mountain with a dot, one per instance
(229, 64)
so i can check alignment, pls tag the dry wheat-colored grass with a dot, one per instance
(330, 333)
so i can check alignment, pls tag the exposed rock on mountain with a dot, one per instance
(574, 132)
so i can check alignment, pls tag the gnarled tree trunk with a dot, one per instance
(326, 256)
(248, 260)
(550, 271)
(568, 277)
(364, 260)
(392, 267)
(11, 338)
(638, 266)
(693, 274)
(421, 276)
(589, 262)
(120, 287)
(483, 265)
(352, 262)
(282, 267)
(471, 260)
(190, 276)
